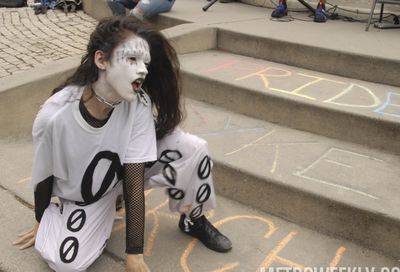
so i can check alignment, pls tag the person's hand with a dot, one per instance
(135, 263)
(27, 239)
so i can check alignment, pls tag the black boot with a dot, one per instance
(203, 230)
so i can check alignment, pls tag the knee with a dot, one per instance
(189, 147)
(194, 143)
(71, 258)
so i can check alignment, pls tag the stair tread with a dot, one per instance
(252, 20)
(371, 100)
(344, 172)
(257, 236)
(335, 171)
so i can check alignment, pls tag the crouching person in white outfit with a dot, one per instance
(96, 138)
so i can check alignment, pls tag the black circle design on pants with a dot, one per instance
(176, 193)
(169, 174)
(69, 249)
(115, 169)
(203, 194)
(196, 212)
(76, 220)
(168, 156)
(204, 170)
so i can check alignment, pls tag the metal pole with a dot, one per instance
(212, 2)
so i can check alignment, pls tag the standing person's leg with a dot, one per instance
(184, 168)
(71, 237)
(146, 9)
(320, 14)
(118, 7)
(280, 10)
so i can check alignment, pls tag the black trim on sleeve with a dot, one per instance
(43, 196)
(134, 250)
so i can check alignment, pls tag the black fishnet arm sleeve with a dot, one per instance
(134, 207)
(43, 196)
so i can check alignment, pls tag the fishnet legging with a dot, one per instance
(134, 206)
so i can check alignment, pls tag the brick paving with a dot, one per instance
(28, 40)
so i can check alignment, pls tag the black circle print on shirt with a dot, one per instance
(168, 156)
(176, 193)
(69, 249)
(204, 168)
(203, 194)
(76, 220)
(115, 168)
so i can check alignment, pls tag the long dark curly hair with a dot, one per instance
(163, 80)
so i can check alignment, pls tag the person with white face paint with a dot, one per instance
(112, 129)
(141, 9)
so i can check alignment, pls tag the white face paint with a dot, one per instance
(127, 69)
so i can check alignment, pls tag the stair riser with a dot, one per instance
(320, 120)
(22, 94)
(369, 229)
(313, 58)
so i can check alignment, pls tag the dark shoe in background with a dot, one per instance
(320, 15)
(279, 11)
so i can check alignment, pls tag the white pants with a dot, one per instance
(71, 237)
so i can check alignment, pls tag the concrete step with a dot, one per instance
(336, 47)
(334, 187)
(260, 240)
(343, 108)
(358, 9)
(343, 6)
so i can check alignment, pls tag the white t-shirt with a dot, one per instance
(86, 161)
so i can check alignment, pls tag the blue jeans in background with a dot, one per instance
(148, 8)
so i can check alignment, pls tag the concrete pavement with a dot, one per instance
(28, 40)
(260, 240)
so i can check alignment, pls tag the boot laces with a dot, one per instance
(186, 222)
